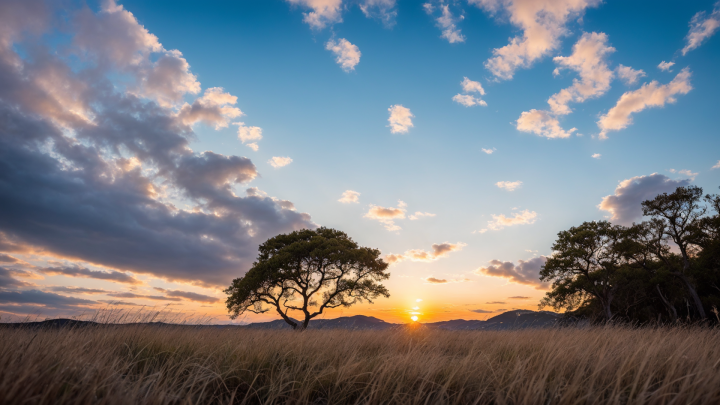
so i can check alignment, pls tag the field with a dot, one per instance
(146, 364)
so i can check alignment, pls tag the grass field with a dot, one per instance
(146, 364)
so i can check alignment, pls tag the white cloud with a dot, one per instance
(542, 123)
(383, 10)
(248, 134)
(278, 161)
(418, 215)
(349, 196)
(665, 66)
(489, 151)
(542, 22)
(324, 12)
(526, 272)
(596, 156)
(446, 21)
(717, 166)
(509, 185)
(468, 100)
(400, 119)
(213, 108)
(521, 218)
(470, 86)
(629, 75)
(649, 95)
(685, 172)
(702, 28)
(435, 280)
(347, 54)
(588, 59)
(438, 251)
(254, 146)
(387, 216)
(625, 206)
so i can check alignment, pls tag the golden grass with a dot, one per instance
(144, 364)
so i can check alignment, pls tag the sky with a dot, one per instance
(148, 148)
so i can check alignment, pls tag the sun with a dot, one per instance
(414, 318)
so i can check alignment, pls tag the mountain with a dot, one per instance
(518, 319)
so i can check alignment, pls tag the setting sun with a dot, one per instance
(414, 318)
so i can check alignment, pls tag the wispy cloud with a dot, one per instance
(649, 95)
(418, 214)
(525, 272)
(596, 156)
(489, 151)
(629, 75)
(438, 251)
(278, 161)
(666, 66)
(525, 217)
(702, 27)
(446, 22)
(387, 216)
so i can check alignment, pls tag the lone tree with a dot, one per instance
(308, 271)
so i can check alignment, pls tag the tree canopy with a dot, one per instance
(666, 268)
(306, 272)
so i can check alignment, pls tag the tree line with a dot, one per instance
(663, 270)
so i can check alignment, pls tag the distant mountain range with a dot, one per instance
(508, 320)
(518, 319)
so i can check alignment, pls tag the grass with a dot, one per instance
(146, 364)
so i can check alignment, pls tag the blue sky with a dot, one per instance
(333, 124)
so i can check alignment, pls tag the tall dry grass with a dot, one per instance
(145, 364)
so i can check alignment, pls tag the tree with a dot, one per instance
(306, 272)
(678, 217)
(585, 265)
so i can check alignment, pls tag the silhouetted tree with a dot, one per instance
(308, 271)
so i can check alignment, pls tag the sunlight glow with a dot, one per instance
(414, 318)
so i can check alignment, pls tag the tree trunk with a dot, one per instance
(693, 294)
(671, 309)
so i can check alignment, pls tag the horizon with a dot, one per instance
(148, 149)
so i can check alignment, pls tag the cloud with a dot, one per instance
(509, 185)
(349, 196)
(439, 250)
(190, 296)
(347, 54)
(400, 119)
(83, 272)
(717, 165)
(702, 27)
(470, 86)
(489, 151)
(649, 95)
(629, 75)
(383, 10)
(324, 12)
(446, 22)
(418, 215)
(433, 280)
(96, 163)
(387, 216)
(468, 100)
(8, 280)
(625, 206)
(143, 296)
(596, 156)
(519, 297)
(277, 161)
(521, 218)
(496, 302)
(542, 123)
(526, 272)
(249, 134)
(44, 299)
(542, 22)
(665, 66)
(78, 290)
(588, 59)
(685, 172)
(213, 108)
(481, 311)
